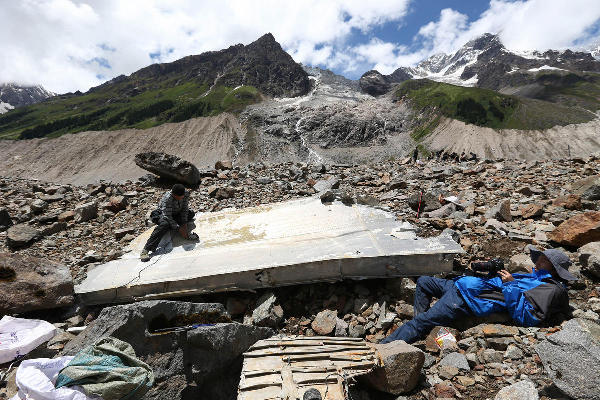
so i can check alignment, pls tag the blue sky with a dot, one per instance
(69, 45)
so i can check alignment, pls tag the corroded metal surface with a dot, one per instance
(299, 241)
(285, 368)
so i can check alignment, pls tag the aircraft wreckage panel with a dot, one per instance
(298, 241)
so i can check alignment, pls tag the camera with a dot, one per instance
(491, 267)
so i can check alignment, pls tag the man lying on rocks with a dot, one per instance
(172, 213)
(530, 299)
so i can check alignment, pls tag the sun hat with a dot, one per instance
(559, 260)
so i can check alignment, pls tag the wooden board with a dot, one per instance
(286, 367)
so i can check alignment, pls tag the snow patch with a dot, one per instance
(545, 67)
(5, 107)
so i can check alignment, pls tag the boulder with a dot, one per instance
(587, 188)
(400, 368)
(267, 313)
(5, 220)
(571, 357)
(206, 360)
(589, 257)
(223, 165)
(38, 206)
(578, 230)
(325, 322)
(117, 203)
(531, 211)
(457, 360)
(428, 202)
(21, 235)
(326, 184)
(169, 167)
(500, 211)
(570, 202)
(85, 212)
(29, 283)
(66, 216)
(523, 390)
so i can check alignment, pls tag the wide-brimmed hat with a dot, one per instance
(559, 260)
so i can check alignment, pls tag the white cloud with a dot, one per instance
(67, 44)
(522, 25)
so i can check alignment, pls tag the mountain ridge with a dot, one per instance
(14, 95)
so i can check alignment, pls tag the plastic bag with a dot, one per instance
(18, 336)
(35, 380)
(445, 339)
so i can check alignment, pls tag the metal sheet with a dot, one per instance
(299, 241)
(271, 369)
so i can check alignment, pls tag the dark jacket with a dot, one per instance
(169, 207)
(530, 299)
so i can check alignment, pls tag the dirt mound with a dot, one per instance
(578, 140)
(109, 155)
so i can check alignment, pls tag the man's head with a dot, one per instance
(552, 260)
(178, 191)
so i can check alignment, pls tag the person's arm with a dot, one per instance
(520, 310)
(167, 212)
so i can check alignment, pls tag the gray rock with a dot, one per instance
(428, 202)
(400, 370)
(520, 263)
(267, 313)
(28, 284)
(500, 211)
(341, 328)
(37, 206)
(523, 390)
(326, 184)
(589, 257)
(21, 235)
(5, 220)
(356, 330)
(457, 360)
(442, 212)
(571, 358)
(169, 166)
(86, 212)
(264, 180)
(513, 352)
(587, 188)
(206, 359)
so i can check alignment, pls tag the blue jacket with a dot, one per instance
(529, 299)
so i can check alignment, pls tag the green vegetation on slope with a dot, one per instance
(570, 88)
(123, 105)
(485, 107)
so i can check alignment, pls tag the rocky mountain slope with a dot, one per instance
(14, 96)
(194, 86)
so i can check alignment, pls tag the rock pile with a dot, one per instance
(499, 209)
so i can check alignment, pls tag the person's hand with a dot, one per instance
(183, 231)
(505, 276)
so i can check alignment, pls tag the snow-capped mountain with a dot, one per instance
(13, 95)
(485, 62)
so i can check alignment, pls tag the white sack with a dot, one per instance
(36, 378)
(18, 336)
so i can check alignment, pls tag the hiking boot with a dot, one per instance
(144, 256)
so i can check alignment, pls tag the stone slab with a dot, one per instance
(293, 242)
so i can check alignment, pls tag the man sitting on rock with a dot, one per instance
(172, 213)
(530, 299)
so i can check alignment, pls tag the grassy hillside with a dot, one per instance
(123, 105)
(486, 107)
(569, 88)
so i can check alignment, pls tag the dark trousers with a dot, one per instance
(448, 308)
(163, 227)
